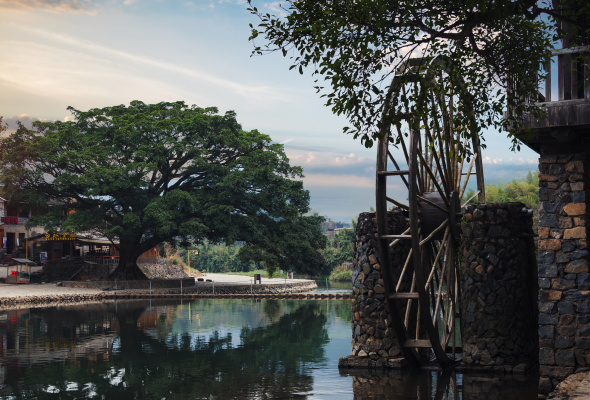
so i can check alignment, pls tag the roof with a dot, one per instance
(102, 241)
(22, 260)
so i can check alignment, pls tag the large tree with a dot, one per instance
(149, 173)
(484, 53)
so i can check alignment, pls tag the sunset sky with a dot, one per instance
(86, 54)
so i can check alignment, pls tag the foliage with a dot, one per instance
(474, 50)
(339, 250)
(341, 273)
(525, 191)
(149, 173)
(220, 258)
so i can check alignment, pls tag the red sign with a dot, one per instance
(9, 220)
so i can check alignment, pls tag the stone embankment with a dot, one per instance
(11, 295)
(50, 300)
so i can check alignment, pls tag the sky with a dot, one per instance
(87, 54)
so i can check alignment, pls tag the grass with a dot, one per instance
(341, 273)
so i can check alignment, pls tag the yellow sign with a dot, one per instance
(63, 236)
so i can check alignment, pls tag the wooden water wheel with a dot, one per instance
(425, 312)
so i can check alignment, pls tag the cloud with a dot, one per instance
(89, 49)
(24, 119)
(511, 161)
(57, 6)
(276, 6)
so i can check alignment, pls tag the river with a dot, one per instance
(208, 349)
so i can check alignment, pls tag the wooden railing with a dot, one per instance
(573, 75)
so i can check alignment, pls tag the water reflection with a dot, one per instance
(410, 385)
(205, 349)
(327, 286)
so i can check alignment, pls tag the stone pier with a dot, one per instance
(374, 344)
(564, 281)
(498, 274)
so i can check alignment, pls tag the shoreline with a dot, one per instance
(48, 293)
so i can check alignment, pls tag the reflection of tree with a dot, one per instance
(269, 362)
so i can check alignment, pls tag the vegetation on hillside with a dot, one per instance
(524, 190)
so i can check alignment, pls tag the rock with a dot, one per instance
(552, 244)
(575, 209)
(573, 233)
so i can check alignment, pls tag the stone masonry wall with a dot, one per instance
(373, 339)
(498, 274)
(564, 281)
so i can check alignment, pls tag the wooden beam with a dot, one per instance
(413, 295)
(418, 343)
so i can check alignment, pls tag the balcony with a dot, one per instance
(567, 126)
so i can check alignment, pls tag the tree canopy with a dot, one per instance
(482, 54)
(148, 173)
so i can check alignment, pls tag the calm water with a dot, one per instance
(326, 286)
(207, 349)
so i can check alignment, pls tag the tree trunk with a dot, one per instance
(127, 268)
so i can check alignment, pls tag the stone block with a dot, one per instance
(548, 220)
(562, 342)
(577, 186)
(546, 257)
(544, 232)
(583, 281)
(579, 197)
(548, 270)
(565, 223)
(577, 267)
(547, 307)
(584, 331)
(544, 283)
(495, 231)
(546, 332)
(573, 233)
(546, 194)
(548, 178)
(575, 209)
(551, 295)
(545, 319)
(580, 221)
(546, 356)
(565, 308)
(583, 343)
(579, 254)
(574, 166)
(568, 246)
(565, 358)
(562, 257)
(556, 233)
(563, 284)
(555, 244)
(584, 308)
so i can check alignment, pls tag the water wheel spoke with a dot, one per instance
(397, 167)
(471, 198)
(467, 176)
(442, 194)
(396, 241)
(429, 237)
(409, 306)
(397, 203)
(438, 254)
(401, 276)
